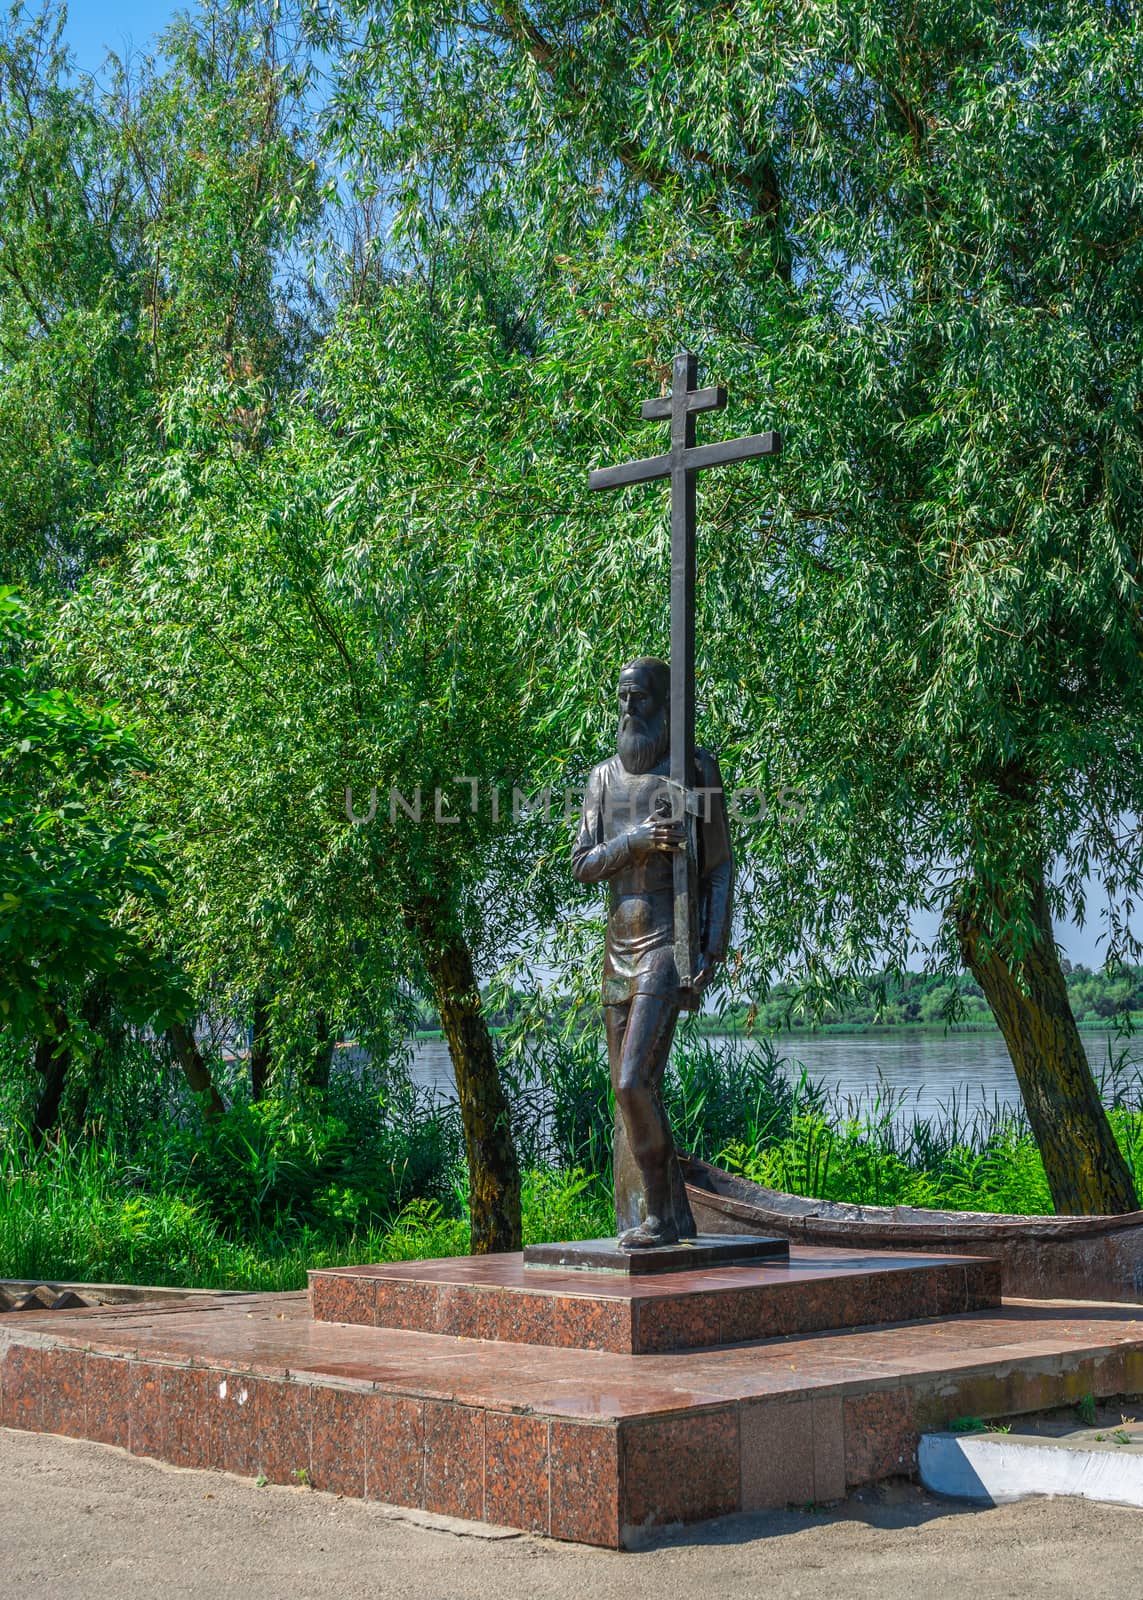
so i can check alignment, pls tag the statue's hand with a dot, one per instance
(657, 833)
(703, 977)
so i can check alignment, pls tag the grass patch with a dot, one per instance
(82, 1215)
(746, 1108)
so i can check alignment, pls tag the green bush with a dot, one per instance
(938, 1163)
(337, 1162)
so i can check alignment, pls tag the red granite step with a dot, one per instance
(579, 1444)
(498, 1297)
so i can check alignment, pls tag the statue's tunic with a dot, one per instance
(640, 951)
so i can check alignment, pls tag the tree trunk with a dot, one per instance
(99, 1018)
(493, 1172)
(53, 1058)
(184, 1048)
(260, 1054)
(317, 1065)
(1086, 1170)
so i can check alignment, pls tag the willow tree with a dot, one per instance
(323, 626)
(148, 220)
(907, 235)
(956, 644)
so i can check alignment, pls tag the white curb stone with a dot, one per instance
(994, 1468)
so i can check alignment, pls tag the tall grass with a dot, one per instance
(79, 1214)
(739, 1104)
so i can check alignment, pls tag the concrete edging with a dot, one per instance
(997, 1468)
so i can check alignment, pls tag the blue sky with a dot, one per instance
(94, 28)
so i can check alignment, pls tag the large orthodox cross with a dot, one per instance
(682, 464)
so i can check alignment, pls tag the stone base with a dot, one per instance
(688, 1255)
(575, 1444)
(499, 1297)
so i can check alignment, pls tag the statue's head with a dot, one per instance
(644, 713)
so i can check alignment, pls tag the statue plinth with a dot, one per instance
(688, 1255)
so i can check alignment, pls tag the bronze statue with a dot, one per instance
(655, 829)
(643, 834)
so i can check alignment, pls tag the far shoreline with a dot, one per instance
(731, 1030)
(714, 1027)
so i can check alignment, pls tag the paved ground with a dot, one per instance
(85, 1522)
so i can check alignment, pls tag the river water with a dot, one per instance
(923, 1071)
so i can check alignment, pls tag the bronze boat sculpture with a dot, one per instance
(1043, 1258)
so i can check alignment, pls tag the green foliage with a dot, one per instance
(870, 1154)
(86, 1214)
(968, 1425)
(147, 214)
(566, 1204)
(907, 238)
(79, 880)
(72, 368)
(330, 532)
(745, 1107)
(317, 605)
(868, 1163)
(714, 1094)
(898, 999)
(283, 1186)
(80, 1213)
(334, 1163)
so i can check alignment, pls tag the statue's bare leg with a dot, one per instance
(639, 1043)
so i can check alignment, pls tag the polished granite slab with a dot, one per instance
(686, 1255)
(579, 1444)
(501, 1297)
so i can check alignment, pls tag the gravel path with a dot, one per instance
(80, 1521)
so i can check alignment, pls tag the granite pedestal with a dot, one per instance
(584, 1409)
(500, 1298)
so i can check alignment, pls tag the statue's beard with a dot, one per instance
(642, 744)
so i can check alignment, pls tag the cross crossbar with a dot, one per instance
(682, 464)
(695, 459)
(661, 408)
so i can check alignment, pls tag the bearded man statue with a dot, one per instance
(631, 829)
